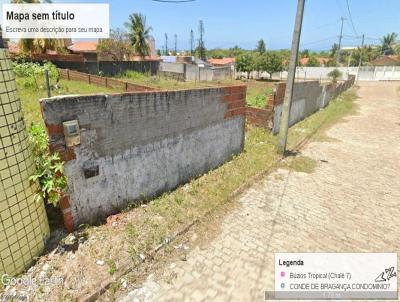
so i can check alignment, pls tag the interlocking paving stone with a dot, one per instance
(349, 204)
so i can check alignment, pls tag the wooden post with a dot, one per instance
(68, 74)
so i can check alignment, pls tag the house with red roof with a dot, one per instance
(224, 62)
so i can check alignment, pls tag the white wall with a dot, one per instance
(365, 73)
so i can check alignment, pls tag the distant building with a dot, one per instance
(201, 63)
(85, 48)
(322, 61)
(89, 50)
(224, 62)
(386, 61)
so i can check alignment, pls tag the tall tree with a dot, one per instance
(139, 34)
(389, 43)
(118, 46)
(245, 63)
(271, 62)
(38, 45)
(305, 53)
(261, 47)
(201, 49)
(334, 50)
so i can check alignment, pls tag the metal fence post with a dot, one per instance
(46, 75)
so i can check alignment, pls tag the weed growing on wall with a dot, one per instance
(49, 167)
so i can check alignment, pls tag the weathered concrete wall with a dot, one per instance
(308, 97)
(137, 145)
(189, 72)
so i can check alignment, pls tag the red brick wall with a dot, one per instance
(235, 97)
(259, 117)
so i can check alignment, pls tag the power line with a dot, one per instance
(351, 19)
(318, 41)
(340, 41)
(340, 7)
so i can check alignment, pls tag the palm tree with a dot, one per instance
(139, 34)
(38, 45)
(389, 43)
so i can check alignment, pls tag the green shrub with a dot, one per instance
(49, 167)
(31, 72)
(335, 74)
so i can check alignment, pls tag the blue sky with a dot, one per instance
(237, 22)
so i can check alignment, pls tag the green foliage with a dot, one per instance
(139, 34)
(259, 100)
(334, 50)
(117, 47)
(245, 62)
(389, 44)
(330, 63)
(31, 72)
(49, 167)
(270, 62)
(368, 54)
(305, 53)
(261, 48)
(313, 62)
(335, 74)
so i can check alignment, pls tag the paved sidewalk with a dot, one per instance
(351, 203)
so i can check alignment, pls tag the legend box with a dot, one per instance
(339, 276)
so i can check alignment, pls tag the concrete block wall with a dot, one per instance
(190, 72)
(23, 221)
(308, 97)
(137, 145)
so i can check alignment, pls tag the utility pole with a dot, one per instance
(340, 41)
(191, 42)
(176, 44)
(284, 126)
(361, 55)
(166, 44)
(362, 51)
(202, 50)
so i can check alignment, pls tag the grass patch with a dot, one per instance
(168, 83)
(258, 92)
(316, 124)
(299, 164)
(30, 95)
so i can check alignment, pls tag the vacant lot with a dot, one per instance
(257, 91)
(30, 96)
